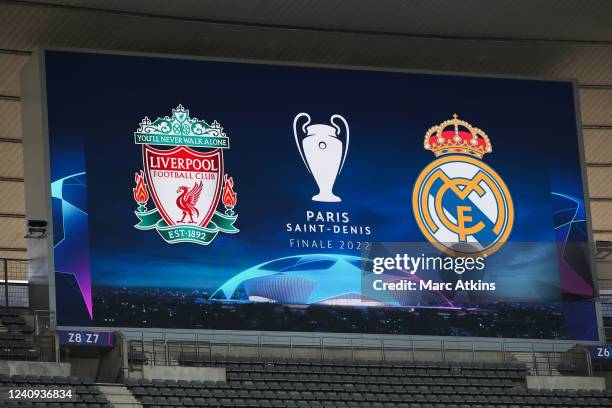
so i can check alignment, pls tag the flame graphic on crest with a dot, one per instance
(141, 195)
(230, 198)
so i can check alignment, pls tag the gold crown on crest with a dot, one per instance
(457, 136)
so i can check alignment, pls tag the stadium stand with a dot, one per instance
(334, 383)
(16, 337)
(86, 394)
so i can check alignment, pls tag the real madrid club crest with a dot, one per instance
(461, 205)
(185, 179)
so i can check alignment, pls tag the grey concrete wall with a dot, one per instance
(84, 367)
(607, 375)
(35, 368)
(356, 353)
(566, 383)
(180, 373)
(109, 370)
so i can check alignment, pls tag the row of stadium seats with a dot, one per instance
(339, 363)
(386, 371)
(380, 379)
(45, 404)
(485, 365)
(369, 368)
(197, 388)
(85, 394)
(348, 384)
(16, 341)
(373, 400)
(25, 380)
(14, 322)
(239, 390)
(334, 404)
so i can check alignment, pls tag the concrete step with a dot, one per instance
(538, 365)
(119, 396)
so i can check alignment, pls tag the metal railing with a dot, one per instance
(168, 352)
(20, 341)
(606, 312)
(14, 283)
(42, 348)
(540, 358)
(48, 346)
(571, 362)
(44, 321)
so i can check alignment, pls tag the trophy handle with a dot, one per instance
(346, 145)
(295, 134)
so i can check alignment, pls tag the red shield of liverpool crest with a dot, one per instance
(185, 183)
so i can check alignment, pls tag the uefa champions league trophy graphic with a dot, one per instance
(322, 152)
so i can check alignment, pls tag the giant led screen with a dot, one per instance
(201, 194)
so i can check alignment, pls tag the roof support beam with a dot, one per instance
(7, 215)
(15, 52)
(12, 179)
(11, 249)
(597, 127)
(10, 140)
(288, 27)
(595, 86)
(10, 98)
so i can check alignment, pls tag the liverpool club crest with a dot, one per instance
(184, 176)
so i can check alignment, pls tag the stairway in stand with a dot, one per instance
(119, 396)
(537, 363)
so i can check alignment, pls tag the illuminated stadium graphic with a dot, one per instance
(308, 279)
(297, 263)
(321, 279)
(69, 203)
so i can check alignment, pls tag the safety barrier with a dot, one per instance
(14, 283)
(540, 358)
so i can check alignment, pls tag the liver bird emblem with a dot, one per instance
(187, 201)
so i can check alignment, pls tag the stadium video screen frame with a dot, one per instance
(231, 195)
